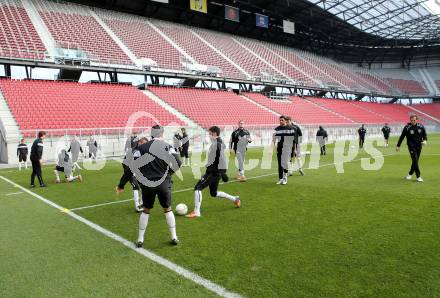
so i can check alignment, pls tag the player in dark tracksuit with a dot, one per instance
(240, 138)
(386, 130)
(416, 137)
(160, 160)
(128, 176)
(36, 156)
(215, 170)
(321, 138)
(362, 131)
(296, 149)
(284, 137)
(22, 153)
(184, 149)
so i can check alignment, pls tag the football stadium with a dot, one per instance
(205, 148)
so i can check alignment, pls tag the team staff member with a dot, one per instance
(22, 153)
(36, 156)
(215, 170)
(386, 133)
(416, 137)
(362, 131)
(283, 137)
(163, 161)
(240, 138)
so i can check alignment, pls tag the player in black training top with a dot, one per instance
(36, 156)
(184, 149)
(215, 170)
(321, 138)
(416, 137)
(362, 131)
(159, 161)
(128, 176)
(240, 138)
(284, 138)
(296, 150)
(386, 130)
(22, 153)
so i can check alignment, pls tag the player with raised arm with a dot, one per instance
(215, 170)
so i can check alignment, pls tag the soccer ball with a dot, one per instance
(181, 209)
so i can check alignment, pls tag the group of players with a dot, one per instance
(66, 163)
(153, 176)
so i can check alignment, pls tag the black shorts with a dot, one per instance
(163, 192)
(59, 169)
(386, 137)
(22, 157)
(209, 179)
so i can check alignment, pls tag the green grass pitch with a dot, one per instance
(357, 234)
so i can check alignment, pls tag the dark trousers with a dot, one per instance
(415, 155)
(36, 171)
(323, 152)
(281, 170)
(361, 142)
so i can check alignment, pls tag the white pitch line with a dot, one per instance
(232, 181)
(13, 193)
(219, 290)
(176, 191)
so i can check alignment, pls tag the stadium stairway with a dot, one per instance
(328, 110)
(172, 110)
(12, 131)
(422, 113)
(40, 27)
(116, 39)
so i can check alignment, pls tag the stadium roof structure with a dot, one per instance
(353, 31)
(389, 19)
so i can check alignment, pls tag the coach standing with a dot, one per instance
(36, 155)
(416, 137)
(362, 131)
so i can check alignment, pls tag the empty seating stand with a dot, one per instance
(67, 105)
(430, 109)
(18, 37)
(73, 27)
(301, 111)
(355, 112)
(213, 107)
(409, 86)
(143, 40)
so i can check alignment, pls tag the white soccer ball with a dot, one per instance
(181, 209)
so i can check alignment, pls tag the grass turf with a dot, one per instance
(361, 233)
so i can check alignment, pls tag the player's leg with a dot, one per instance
(57, 175)
(39, 174)
(418, 151)
(164, 195)
(213, 191)
(19, 162)
(240, 160)
(200, 185)
(137, 201)
(25, 162)
(34, 172)
(148, 196)
(280, 168)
